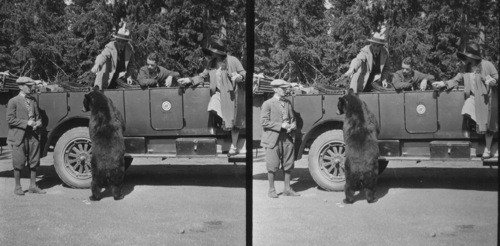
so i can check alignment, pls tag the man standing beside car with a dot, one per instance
(278, 122)
(24, 119)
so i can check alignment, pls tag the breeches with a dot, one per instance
(27, 152)
(281, 155)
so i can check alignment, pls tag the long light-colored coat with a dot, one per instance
(107, 62)
(232, 95)
(485, 103)
(362, 66)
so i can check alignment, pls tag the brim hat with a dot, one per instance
(471, 51)
(378, 38)
(123, 33)
(215, 47)
(25, 81)
(280, 83)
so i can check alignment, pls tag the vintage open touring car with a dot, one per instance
(160, 122)
(414, 125)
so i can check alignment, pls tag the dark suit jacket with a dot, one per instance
(271, 120)
(17, 118)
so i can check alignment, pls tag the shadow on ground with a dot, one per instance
(480, 179)
(155, 175)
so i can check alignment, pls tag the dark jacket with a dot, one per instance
(17, 119)
(271, 119)
(147, 80)
(412, 82)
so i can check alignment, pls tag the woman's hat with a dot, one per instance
(471, 51)
(123, 33)
(378, 38)
(215, 46)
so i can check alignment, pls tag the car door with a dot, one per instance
(166, 109)
(420, 112)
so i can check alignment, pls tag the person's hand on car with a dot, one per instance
(184, 81)
(348, 74)
(423, 85)
(438, 84)
(95, 68)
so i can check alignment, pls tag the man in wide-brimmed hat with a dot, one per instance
(369, 64)
(23, 119)
(115, 61)
(278, 123)
(227, 76)
(480, 79)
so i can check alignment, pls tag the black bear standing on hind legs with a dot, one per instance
(106, 128)
(362, 152)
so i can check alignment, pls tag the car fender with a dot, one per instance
(63, 126)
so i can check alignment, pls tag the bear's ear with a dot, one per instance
(350, 91)
(96, 88)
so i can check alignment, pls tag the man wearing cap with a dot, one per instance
(409, 79)
(115, 61)
(227, 77)
(368, 66)
(153, 75)
(23, 119)
(480, 79)
(278, 122)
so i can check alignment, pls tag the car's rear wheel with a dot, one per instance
(72, 155)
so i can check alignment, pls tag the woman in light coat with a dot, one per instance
(226, 75)
(480, 78)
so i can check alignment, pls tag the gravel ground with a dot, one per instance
(426, 203)
(167, 202)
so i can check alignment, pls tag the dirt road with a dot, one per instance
(164, 204)
(429, 203)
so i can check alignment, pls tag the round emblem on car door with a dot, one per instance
(421, 109)
(166, 105)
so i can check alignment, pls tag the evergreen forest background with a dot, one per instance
(312, 41)
(307, 41)
(58, 41)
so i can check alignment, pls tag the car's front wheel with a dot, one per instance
(72, 155)
(326, 160)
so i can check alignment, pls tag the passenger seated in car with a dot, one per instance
(153, 75)
(480, 78)
(227, 76)
(409, 79)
